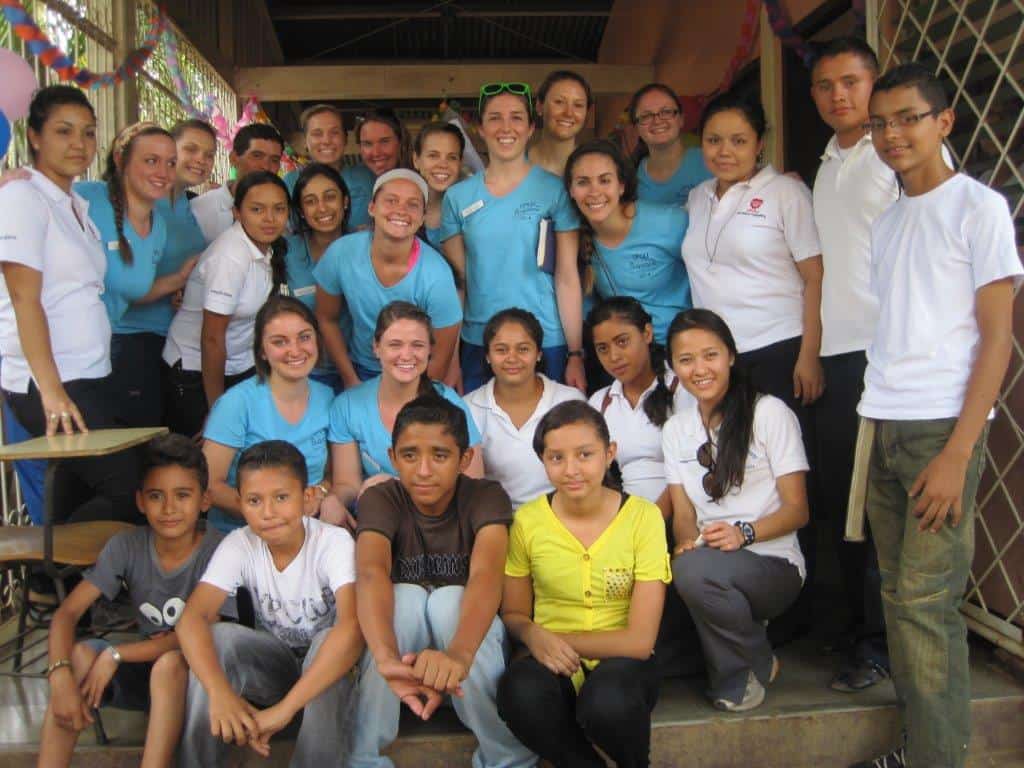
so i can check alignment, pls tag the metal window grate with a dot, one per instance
(977, 46)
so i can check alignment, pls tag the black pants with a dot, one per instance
(771, 368)
(836, 415)
(136, 379)
(185, 405)
(94, 488)
(612, 711)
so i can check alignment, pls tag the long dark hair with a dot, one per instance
(277, 305)
(117, 161)
(404, 310)
(306, 175)
(736, 408)
(279, 247)
(658, 405)
(576, 412)
(627, 177)
(642, 150)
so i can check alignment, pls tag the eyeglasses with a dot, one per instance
(665, 113)
(493, 89)
(705, 457)
(877, 124)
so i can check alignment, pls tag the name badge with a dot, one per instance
(113, 245)
(307, 291)
(469, 210)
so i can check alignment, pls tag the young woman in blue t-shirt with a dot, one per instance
(281, 402)
(141, 170)
(362, 418)
(491, 228)
(666, 168)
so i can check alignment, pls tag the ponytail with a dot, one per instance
(658, 405)
(278, 266)
(115, 191)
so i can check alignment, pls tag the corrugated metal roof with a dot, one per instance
(439, 29)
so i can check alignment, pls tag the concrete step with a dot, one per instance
(802, 725)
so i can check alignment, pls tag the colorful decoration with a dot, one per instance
(20, 83)
(5, 134)
(170, 42)
(40, 46)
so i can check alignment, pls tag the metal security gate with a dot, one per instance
(978, 48)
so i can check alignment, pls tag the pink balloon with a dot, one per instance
(20, 83)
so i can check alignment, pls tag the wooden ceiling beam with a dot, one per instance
(384, 82)
(324, 13)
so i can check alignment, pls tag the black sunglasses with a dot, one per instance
(706, 458)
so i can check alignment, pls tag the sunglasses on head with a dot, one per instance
(493, 89)
(706, 458)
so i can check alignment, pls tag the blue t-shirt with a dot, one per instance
(299, 267)
(359, 179)
(123, 283)
(648, 264)
(355, 418)
(184, 240)
(676, 190)
(246, 414)
(347, 270)
(501, 236)
(433, 236)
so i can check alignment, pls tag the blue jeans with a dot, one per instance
(924, 576)
(262, 669)
(428, 620)
(31, 472)
(476, 372)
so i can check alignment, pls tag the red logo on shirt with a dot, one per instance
(756, 203)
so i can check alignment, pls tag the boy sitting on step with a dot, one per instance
(159, 565)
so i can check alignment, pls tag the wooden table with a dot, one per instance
(55, 449)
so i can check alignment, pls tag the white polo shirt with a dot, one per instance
(39, 229)
(776, 449)
(638, 441)
(508, 452)
(741, 253)
(851, 189)
(930, 254)
(215, 212)
(233, 277)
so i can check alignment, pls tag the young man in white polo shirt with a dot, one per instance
(852, 188)
(944, 266)
(256, 147)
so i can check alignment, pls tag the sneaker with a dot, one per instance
(895, 759)
(858, 676)
(753, 697)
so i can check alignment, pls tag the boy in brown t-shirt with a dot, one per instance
(430, 554)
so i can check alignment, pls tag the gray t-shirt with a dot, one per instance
(129, 561)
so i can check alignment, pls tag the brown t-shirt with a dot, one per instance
(432, 551)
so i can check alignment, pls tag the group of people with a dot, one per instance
(378, 379)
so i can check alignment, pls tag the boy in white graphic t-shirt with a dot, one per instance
(248, 684)
(944, 265)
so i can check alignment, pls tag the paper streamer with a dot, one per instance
(40, 46)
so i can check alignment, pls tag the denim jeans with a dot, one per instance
(428, 620)
(924, 576)
(262, 669)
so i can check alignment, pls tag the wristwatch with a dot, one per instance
(116, 654)
(748, 533)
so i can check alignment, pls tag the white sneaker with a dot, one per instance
(753, 697)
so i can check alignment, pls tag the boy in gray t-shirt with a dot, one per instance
(159, 565)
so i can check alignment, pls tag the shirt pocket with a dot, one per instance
(618, 583)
